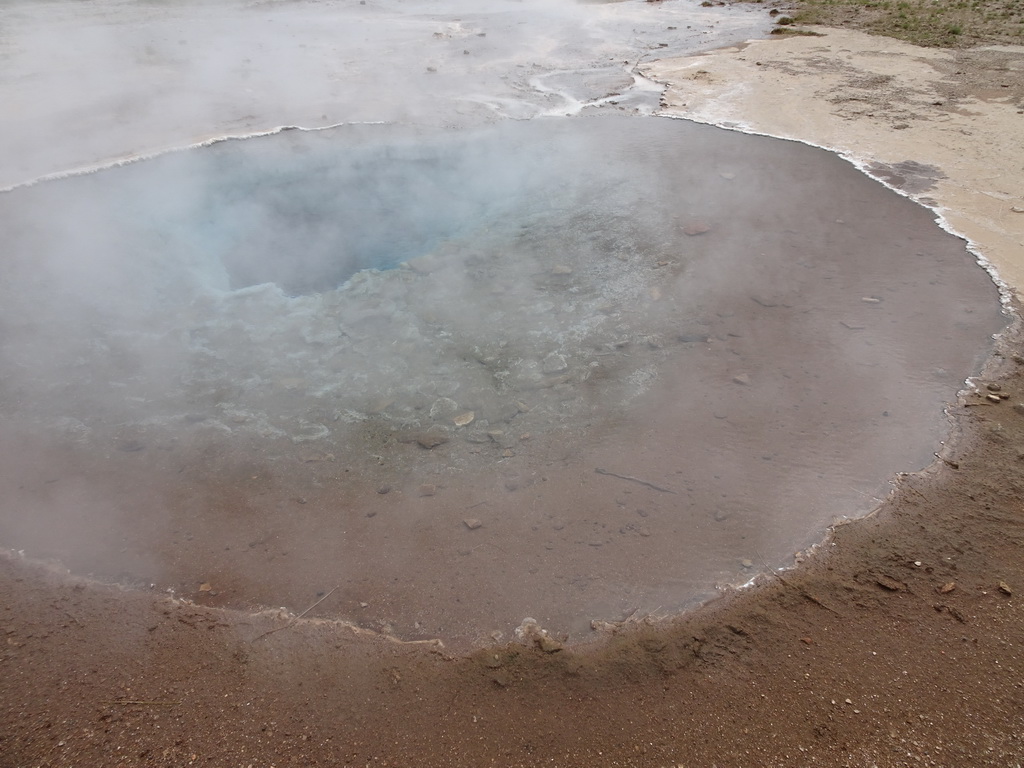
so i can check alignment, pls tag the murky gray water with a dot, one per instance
(619, 360)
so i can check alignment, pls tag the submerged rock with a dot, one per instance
(554, 363)
(443, 409)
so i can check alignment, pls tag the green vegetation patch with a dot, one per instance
(945, 23)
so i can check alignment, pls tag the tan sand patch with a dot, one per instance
(877, 100)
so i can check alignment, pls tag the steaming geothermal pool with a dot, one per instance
(571, 369)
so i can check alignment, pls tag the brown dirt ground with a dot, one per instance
(901, 643)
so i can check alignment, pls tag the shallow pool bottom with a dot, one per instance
(745, 336)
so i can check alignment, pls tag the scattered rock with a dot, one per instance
(952, 612)
(428, 439)
(742, 378)
(1005, 588)
(561, 269)
(205, 587)
(889, 583)
(948, 587)
(443, 409)
(554, 363)
(499, 412)
(472, 523)
(696, 228)
(384, 489)
(464, 419)
(431, 440)
(502, 438)
(693, 338)
(548, 644)
(871, 299)
(531, 631)
(428, 489)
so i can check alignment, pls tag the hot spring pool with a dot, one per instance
(570, 369)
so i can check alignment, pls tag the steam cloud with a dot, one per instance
(216, 358)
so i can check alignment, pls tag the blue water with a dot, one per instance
(308, 220)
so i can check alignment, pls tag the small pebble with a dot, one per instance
(464, 419)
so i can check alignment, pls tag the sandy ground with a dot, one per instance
(882, 103)
(901, 643)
